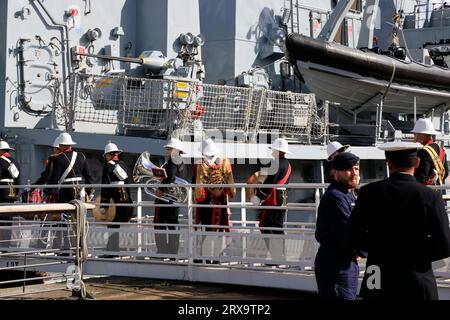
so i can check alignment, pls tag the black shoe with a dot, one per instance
(197, 261)
(212, 262)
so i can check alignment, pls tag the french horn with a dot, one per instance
(144, 172)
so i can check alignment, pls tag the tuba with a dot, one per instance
(146, 172)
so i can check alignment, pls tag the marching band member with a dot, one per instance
(214, 169)
(174, 167)
(9, 175)
(433, 168)
(274, 197)
(116, 172)
(334, 148)
(69, 167)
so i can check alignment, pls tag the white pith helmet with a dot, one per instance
(424, 126)
(281, 145)
(334, 147)
(5, 146)
(111, 147)
(56, 142)
(65, 139)
(209, 148)
(175, 144)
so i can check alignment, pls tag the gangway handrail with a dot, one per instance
(40, 208)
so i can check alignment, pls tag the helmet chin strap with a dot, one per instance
(211, 160)
(275, 153)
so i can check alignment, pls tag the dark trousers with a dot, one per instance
(336, 278)
(166, 243)
(123, 214)
(273, 219)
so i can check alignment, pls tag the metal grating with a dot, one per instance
(168, 105)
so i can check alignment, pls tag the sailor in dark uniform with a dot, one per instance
(274, 197)
(116, 172)
(169, 243)
(336, 263)
(429, 171)
(69, 168)
(9, 176)
(403, 227)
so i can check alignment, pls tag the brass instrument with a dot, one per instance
(147, 173)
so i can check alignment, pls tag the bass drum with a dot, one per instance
(256, 178)
(108, 215)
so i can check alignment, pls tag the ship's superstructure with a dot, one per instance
(136, 72)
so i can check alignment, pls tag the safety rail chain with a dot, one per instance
(245, 247)
(167, 105)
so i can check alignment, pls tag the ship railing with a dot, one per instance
(245, 246)
(163, 106)
(139, 236)
(419, 19)
(23, 258)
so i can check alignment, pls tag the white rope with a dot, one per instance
(81, 247)
(390, 81)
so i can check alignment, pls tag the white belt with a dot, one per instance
(73, 179)
(7, 180)
(281, 189)
(117, 182)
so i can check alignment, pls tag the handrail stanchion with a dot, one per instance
(24, 272)
(317, 201)
(190, 234)
(139, 218)
(244, 221)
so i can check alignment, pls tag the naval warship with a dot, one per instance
(136, 72)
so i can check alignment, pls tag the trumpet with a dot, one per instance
(147, 173)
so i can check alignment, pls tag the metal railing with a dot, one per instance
(27, 235)
(245, 247)
(190, 107)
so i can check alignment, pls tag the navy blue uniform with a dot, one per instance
(335, 264)
(403, 227)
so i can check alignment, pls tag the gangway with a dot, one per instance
(243, 256)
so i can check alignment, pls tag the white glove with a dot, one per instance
(255, 200)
